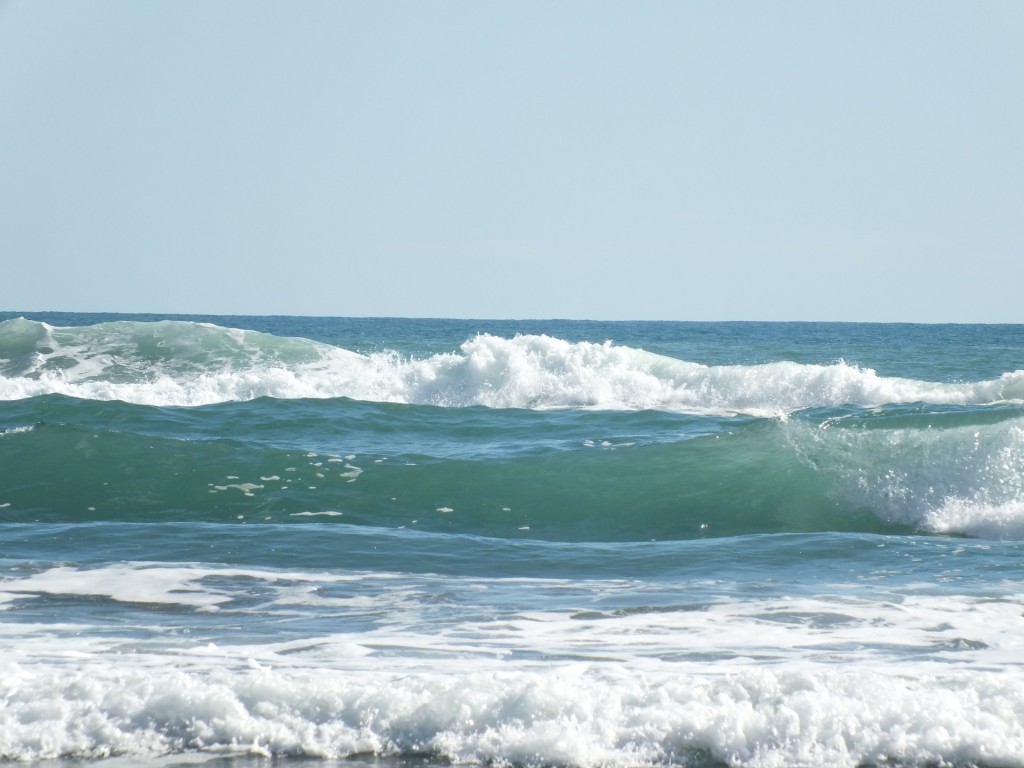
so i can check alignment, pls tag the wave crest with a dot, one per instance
(184, 363)
(966, 479)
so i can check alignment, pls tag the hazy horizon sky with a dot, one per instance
(858, 161)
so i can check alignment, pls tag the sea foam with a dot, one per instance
(962, 479)
(180, 363)
(578, 715)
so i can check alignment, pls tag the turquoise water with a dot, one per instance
(516, 543)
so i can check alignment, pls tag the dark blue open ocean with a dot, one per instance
(245, 540)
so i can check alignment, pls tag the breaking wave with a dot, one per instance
(178, 363)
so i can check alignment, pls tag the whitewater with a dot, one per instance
(359, 541)
(181, 363)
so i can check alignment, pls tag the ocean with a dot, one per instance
(299, 541)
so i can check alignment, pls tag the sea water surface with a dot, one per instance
(331, 541)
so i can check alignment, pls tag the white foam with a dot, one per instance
(201, 364)
(846, 627)
(972, 518)
(967, 480)
(574, 715)
(16, 430)
(150, 583)
(124, 583)
(543, 372)
(857, 677)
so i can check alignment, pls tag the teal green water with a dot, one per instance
(523, 543)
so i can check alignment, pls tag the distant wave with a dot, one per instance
(185, 364)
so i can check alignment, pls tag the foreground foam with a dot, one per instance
(182, 363)
(568, 715)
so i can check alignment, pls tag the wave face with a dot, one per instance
(549, 543)
(187, 364)
(587, 475)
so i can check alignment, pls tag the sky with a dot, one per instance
(852, 161)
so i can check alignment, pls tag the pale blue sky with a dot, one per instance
(605, 160)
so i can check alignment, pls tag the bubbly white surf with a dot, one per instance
(823, 680)
(965, 480)
(570, 715)
(188, 364)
